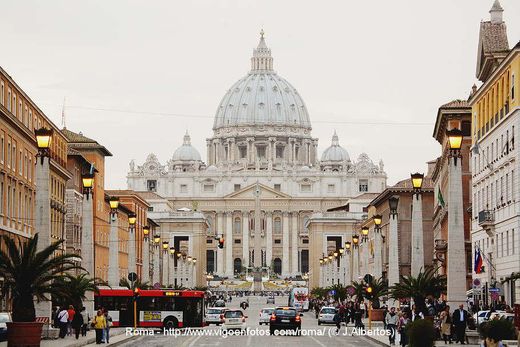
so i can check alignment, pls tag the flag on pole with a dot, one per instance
(478, 261)
(440, 199)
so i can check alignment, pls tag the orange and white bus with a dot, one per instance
(161, 308)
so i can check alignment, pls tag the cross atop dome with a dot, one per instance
(262, 61)
(335, 139)
(187, 139)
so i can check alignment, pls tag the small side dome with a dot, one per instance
(212, 168)
(335, 152)
(186, 152)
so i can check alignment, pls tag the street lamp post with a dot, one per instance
(456, 266)
(348, 268)
(156, 259)
(164, 257)
(145, 272)
(113, 248)
(87, 235)
(171, 266)
(365, 252)
(355, 257)
(42, 223)
(132, 266)
(378, 250)
(393, 245)
(417, 225)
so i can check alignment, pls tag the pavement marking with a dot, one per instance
(193, 342)
(248, 340)
(318, 342)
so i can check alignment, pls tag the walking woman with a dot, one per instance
(446, 325)
(403, 321)
(99, 324)
(77, 323)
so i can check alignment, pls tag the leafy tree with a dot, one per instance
(123, 282)
(74, 288)
(427, 284)
(359, 291)
(30, 273)
(319, 292)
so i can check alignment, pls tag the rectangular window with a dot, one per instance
(1, 195)
(331, 188)
(507, 242)
(237, 187)
(30, 120)
(243, 152)
(184, 188)
(150, 209)
(2, 95)
(277, 241)
(9, 99)
(26, 116)
(238, 241)
(305, 241)
(277, 187)
(279, 152)
(20, 163)
(14, 105)
(2, 149)
(208, 188)
(513, 241)
(260, 150)
(13, 157)
(151, 185)
(305, 188)
(209, 241)
(363, 185)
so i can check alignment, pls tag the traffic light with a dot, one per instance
(221, 242)
(137, 292)
(368, 291)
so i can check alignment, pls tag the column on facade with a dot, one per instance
(315, 152)
(229, 244)
(220, 251)
(285, 244)
(245, 238)
(156, 268)
(209, 151)
(393, 253)
(456, 288)
(294, 244)
(165, 268)
(355, 263)
(378, 255)
(171, 269)
(113, 253)
(348, 268)
(43, 220)
(132, 262)
(269, 239)
(181, 278)
(417, 235)
(145, 272)
(87, 245)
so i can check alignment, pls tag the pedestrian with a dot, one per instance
(55, 319)
(337, 321)
(86, 319)
(77, 324)
(391, 321)
(460, 322)
(445, 318)
(403, 322)
(99, 324)
(63, 321)
(416, 314)
(71, 313)
(108, 325)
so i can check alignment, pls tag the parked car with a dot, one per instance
(215, 315)
(326, 315)
(265, 315)
(484, 316)
(285, 318)
(234, 319)
(5, 317)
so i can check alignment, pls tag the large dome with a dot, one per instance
(335, 153)
(262, 97)
(186, 152)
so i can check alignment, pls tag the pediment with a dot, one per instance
(265, 193)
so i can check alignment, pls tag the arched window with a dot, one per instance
(237, 225)
(277, 225)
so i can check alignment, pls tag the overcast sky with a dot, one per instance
(361, 67)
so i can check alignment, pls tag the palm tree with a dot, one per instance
(319, 292)
(359, 291)
(75, 288)
(29, 273)
(427, 284)
(123, 282)
(340, 291)
(379, 289)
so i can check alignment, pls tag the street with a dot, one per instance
(312, 334)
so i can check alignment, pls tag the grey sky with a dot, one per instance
(351, 61)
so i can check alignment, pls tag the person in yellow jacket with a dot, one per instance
(99, 324)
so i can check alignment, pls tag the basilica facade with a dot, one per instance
(263, 178)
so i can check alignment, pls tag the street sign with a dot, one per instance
(476, 282)
(157, 285)
(132, 276)
(351, 291)
(494, 290)
(368, 278)
(332, 292)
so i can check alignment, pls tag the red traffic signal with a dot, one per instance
(221, 242)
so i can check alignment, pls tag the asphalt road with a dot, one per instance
(312, 334)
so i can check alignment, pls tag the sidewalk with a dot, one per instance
(117, 336)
